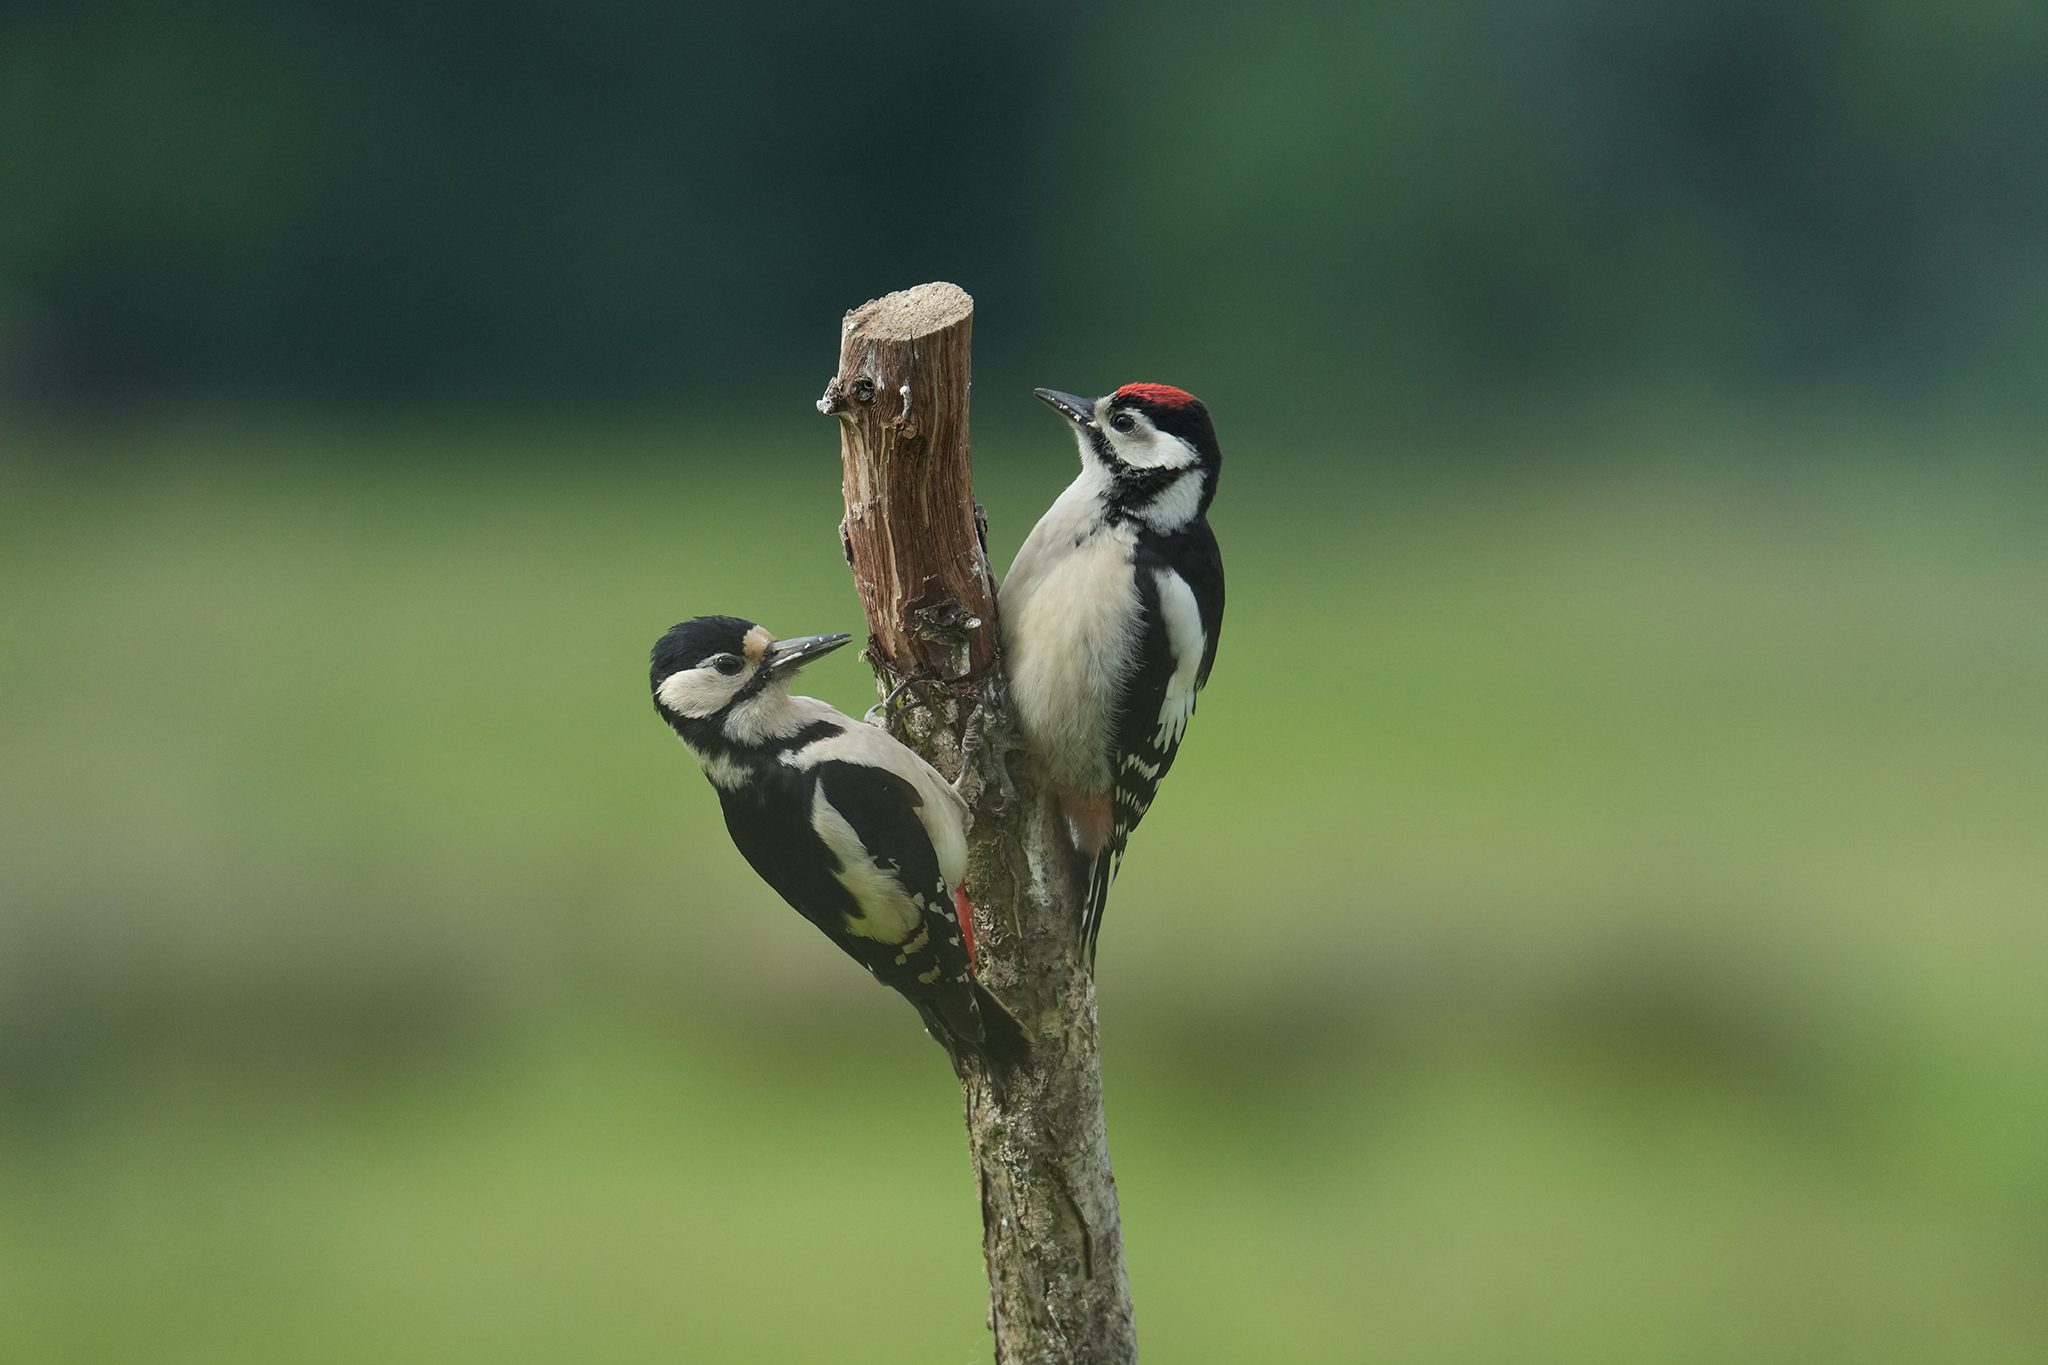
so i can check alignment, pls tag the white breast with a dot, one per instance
(1071, 618)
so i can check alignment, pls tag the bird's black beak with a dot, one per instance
(787, 656)
(1079, 411)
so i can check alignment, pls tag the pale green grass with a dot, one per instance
(1598, 917)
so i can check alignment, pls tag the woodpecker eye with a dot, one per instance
(727, 664)
(1123, 421)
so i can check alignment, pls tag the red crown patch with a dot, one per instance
(1165, 395)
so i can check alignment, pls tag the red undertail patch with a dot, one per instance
(964, 908)
(1089, 820)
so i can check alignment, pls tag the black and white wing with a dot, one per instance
(902, 926)
(1182, 599)
(862, 867)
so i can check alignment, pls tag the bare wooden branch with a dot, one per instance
(1058, 1294)
(901, 394)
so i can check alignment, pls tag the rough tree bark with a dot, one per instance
(1058, 1294)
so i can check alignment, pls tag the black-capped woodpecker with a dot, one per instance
(861, 836)
(1111, 613)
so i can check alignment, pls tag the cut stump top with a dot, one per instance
(911, 313)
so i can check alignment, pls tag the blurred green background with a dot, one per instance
(1600, 915)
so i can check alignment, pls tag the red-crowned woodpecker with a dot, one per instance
(1111, 614)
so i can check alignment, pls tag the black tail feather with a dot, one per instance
(976, 1025)
(944, 1032)
(1100, 874)
(1004, 1044)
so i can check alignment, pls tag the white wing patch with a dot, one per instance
(888, 914)
(1184, 638)
(943, 814)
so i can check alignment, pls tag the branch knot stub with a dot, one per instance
(945, 623)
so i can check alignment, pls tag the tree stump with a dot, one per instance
(1058, 1293)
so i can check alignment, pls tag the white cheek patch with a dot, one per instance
(696, 691)
(1150, 448)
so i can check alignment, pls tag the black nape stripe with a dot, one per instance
(706, 734)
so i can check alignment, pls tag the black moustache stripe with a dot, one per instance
(754, 687)
(1131, 490)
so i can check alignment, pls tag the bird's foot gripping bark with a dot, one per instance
(886, 712)
(986, 742)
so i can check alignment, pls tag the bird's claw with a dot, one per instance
(885, 712)
(982, 754)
